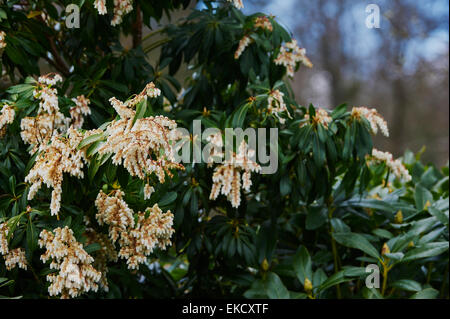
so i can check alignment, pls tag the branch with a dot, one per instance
(59, 63)
(137, 28)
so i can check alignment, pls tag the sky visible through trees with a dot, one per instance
(400, 68)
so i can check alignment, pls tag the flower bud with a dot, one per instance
(399, 217)
(385, 250)
(308, 286)
(265, 265)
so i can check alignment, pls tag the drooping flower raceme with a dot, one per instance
(114, 212)
(75, 274)
(243, 44)
(7, 115)
(80, 110)
(100, 5)
(136, 240)
(146, 146)
(49, 121)
(153, 229)
(16, 257)
(290, 54)
(375, 119)
(121, 8)
(4, 230)
(259, 23)
(58, 157)
(396, 166)
(227, 176)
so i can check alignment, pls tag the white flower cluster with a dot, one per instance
(16, 257)
(237, 3)
(263, 23)
(12, 257)
(146, 146)
(136, 240)
(4, 230)
(149, 232)
(75, 274)
(114, 212)
(227, 176)
(243, 44)
(49, 122)
(2, 39)
(290, 54)
(321, 117)
(396, 166)
(50, 79)
(375, 119)
(106, 254)
(7, 115)
(276, 105)
(100, 5)
(121, 8)
(58, 157)
(80, 110)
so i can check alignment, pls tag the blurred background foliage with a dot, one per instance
(402, 68)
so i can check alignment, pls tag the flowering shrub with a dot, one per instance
(94, 203)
